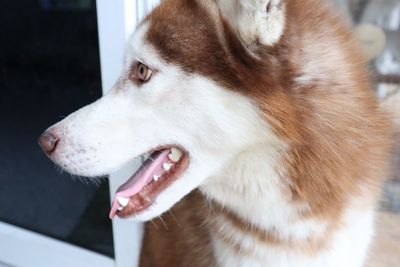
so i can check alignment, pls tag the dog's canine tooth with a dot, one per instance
(175, 154)
(156, 177)
(123, 201)
(167, 166)
(120, 208)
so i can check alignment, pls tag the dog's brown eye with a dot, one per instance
(143, 72)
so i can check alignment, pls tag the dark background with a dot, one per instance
(49, 67)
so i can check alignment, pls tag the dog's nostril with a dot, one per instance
(48, 142)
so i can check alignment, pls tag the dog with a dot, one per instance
(262, 135)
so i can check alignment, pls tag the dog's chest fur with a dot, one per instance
(200, 233)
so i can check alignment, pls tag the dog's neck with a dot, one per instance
(252, 212)
(251, 193)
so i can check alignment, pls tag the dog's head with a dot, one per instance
(180, 100)
(203, 81)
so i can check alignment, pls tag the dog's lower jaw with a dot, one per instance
(256, 222)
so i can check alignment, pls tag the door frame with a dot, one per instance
(116, 21)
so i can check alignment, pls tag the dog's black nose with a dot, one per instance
(48, 142)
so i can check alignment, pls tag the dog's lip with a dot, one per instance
(148, 195)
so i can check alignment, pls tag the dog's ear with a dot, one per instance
(255, 21)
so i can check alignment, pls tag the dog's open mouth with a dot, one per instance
(158, 171)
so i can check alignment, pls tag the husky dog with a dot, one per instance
(264, 139)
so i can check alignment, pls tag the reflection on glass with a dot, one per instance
(50, 67)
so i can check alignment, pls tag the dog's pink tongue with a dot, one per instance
(152, 166)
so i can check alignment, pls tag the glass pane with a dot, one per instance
(49, 67)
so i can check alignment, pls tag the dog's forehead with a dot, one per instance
(183, 32)
(194, 37)
(177, 32)
(139, 49)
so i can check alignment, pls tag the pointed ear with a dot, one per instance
(261, 21)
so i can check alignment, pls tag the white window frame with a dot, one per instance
(23, 248)
(116, 21)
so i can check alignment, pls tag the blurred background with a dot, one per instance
(377, 24)
(50, 66)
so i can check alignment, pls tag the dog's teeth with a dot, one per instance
(167, 166)
(175, 154)
(120, 208)
(123, 201)
(156, 177)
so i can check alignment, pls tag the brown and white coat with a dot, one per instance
(272, 101)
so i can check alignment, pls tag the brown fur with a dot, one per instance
(338, 137)
(170, 241)
(310, 246)
(182, 237)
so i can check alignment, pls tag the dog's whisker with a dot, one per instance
(94, 181)
(148, 156)
(163, 222)
(155, 225)
(175, 219)
(210, 210)
(83, 180)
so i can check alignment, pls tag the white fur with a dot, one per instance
(348, 248)
(250, 186)
(211, 123)
(234, 155)
(252, 22)
(316, 62)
